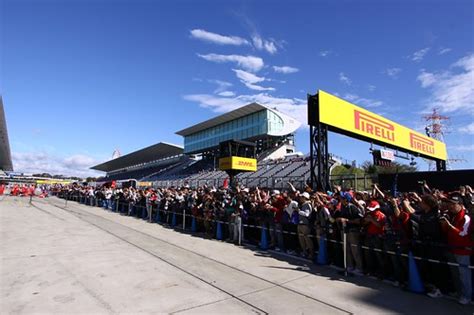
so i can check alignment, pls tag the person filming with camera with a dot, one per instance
(456, 224)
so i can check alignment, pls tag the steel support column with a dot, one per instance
(319, 154)
(440, 165)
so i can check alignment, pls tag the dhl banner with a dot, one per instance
(343, 115)
(237, 163)
(145, 184)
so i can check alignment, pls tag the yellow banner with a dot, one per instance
(343, 115)
(52, 181)
(237, 163)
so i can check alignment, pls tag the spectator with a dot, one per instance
(350, 218)
(277, 206)
(374, 222)
(429, 233)
(304, 229)
(398, 236)
(457, 225)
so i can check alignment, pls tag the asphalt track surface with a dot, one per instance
(79, 259)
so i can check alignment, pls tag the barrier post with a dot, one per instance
(415, 284)
(344, 244)
(193, 225)
(241, 229)
(322, 258)
(157, 218)
(184, 219)
(219, 231)
(263, 239)
(173, 219)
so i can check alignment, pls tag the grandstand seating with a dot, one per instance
(270, 173)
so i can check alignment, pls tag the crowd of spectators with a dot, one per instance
(380, 228)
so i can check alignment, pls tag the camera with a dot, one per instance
(444, 217)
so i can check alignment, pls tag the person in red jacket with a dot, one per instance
(2, 189)
(278, 204)
(457, 226)
(15, 190)
(374, 222)
(24, 191)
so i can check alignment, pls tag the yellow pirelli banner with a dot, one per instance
(237, 163)
(344, 116)
(52, 181)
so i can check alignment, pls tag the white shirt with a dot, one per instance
(293, 206)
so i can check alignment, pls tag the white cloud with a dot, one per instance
(221, 85)
(427, 79)
(217, 38)
(250, 63)
(250, 80)
(263, 44)
(365, 102)
(469, 129)
(393, 72)
(258, 87)
(285, 69)
(42, 162)
(344, 79)
(247, 76)
(464, 148)
(371, 87)
(443, 51)
(420, 54)
(294, 107)
(451, 91)
(226, 93)
(325, 53)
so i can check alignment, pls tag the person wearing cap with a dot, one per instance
(350, 218)
(458, 229)
(278, 204)
(291, 227)
(374, 222)
(304, 229)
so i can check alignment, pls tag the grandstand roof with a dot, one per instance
(5, 155)
(239, 112)
(152, 153)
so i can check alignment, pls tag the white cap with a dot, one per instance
(305, 195)
(275, 192)
(361, 202)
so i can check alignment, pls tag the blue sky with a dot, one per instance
(82, 78)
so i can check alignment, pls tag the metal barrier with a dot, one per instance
(180, 222)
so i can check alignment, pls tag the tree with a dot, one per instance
(396, 167)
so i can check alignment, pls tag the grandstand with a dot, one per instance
(196, 163)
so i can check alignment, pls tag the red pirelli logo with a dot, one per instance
(374, 126)
(243, 163)
(422, 144)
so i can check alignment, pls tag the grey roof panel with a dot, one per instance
(152, 153)
(239, 112)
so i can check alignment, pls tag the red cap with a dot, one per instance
(373, 205)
